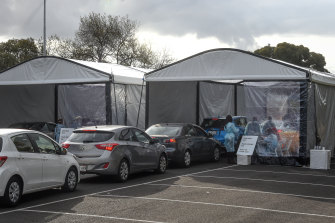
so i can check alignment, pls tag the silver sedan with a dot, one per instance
(116, 150)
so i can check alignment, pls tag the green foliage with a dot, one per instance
(298, 55)
(16, 51)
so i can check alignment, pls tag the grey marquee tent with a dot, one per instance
(47, 88)
(219, 82)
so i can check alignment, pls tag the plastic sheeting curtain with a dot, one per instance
(133, 101)
(118, 95)
(277, 108)
(216, 100)
(82, 105)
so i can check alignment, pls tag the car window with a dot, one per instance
(44, 144)
(164, 130)
(190, 131)
(127, 135)
(141, 137)
(213, 123)
(200, 132)
(83, 136)
(22, 143)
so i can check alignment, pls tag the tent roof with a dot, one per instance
(233, 64)
(56, 70)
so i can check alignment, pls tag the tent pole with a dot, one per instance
(139, 106)
(108, 99)
(197, 115)
(303, 120)
(235, 99)
(147, 105)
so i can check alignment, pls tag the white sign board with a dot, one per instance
(247, 145)
(65, 134)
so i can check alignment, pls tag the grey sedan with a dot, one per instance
(116, 150)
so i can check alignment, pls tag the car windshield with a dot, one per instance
(164, 130)
(213, 123)
(0, 144)
(90, 136)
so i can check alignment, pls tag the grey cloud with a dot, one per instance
(235, 22)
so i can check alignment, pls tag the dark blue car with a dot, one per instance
(215, 127)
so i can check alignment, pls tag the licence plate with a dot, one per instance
(83, 168)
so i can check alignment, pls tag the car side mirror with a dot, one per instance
(153, 141)
(61, 151)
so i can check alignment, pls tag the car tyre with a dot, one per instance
(186, 162)
(216, 154)
(123, 171)
(13, 192)
(71, 180)
(162, 164)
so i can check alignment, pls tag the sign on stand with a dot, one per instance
(247, 145)
(65, 134)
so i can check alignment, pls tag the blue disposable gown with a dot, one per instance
(229, 140)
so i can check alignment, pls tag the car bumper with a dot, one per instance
(5, 174)
(98, 166)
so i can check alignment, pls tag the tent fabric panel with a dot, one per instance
(46, 70)
(216, 100)
(172, 102)
(82, 103)
(133, 101)
(122, 74)
(226, 64)
(27, 104)
(325, 115)
(323, 78)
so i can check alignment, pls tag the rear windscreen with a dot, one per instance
(88, 137)
(0, 144)
(164, 130)
(213, 123)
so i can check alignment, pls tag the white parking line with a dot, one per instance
(263, 180)
(241, 190)
(273, 172)
(120, 188)
(221, 204)
(91, 215)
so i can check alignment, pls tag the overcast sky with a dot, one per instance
(187, 27)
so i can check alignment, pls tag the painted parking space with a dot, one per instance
(228, 193)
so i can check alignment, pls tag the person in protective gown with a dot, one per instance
(229, 142)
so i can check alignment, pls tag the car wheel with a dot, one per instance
(71, 180)
(123, 171)
(187, 159)
(162, 164)
(216, 154)
(13, 192)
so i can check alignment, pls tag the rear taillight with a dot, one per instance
(170, 140)
(2, 160)
(108, 146)
(65, 146)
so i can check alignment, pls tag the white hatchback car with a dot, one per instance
(31, 161)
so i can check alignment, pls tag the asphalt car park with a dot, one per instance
(206, 192)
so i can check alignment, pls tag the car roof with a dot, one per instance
(6, 131)
(104, 127)
(173, 124)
